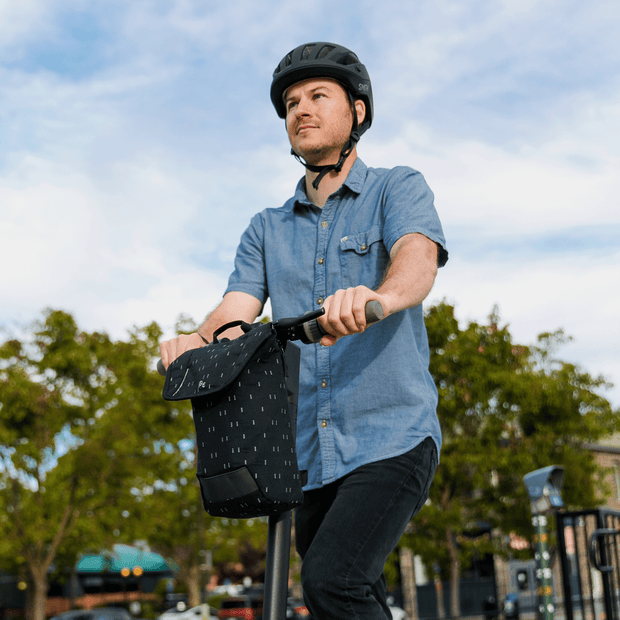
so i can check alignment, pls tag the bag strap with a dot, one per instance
(246, 327)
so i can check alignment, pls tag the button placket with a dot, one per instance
(323, 411)
(323, 238)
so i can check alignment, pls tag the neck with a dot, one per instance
(330, 183)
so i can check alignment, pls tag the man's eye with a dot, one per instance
(291, 105)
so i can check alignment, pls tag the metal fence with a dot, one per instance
(589, 553)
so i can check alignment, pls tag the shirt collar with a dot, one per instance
(354, 181)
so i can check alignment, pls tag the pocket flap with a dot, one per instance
(360, 242)
(204, 371)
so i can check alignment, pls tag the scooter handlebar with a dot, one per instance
(307, 327)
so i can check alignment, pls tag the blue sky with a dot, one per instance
(137, 139)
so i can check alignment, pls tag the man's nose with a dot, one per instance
(302, 107)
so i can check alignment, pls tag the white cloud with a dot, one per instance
(22, 20)
(46, 235)
(499, 203)
(567, 178)
(575, 293)
(85, 244)
(124, 189)
(193, 293)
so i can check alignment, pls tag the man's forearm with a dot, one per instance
(234, 307)
(215, 320)
(411, 273)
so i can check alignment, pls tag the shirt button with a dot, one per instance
(324, 224)
(324, 423)
(320, 300)
(363, 247)
(323, 383)
(321, 261)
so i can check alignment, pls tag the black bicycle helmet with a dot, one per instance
(321, 59)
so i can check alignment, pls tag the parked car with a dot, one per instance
(398, 613)
(227, 590)
(195, 613)
(176, 600)
(296, 610)
(101, 613)
(242, 607)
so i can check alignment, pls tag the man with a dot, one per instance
(368, 432)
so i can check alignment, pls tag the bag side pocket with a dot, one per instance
(228, 486)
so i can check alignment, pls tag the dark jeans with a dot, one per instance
(346, 530)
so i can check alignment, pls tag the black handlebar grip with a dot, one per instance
(160, 368)
(374, 312)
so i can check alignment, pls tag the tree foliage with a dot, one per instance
(90, 454)
(82, 427)
(505, 409)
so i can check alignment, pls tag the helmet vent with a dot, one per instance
(305, 54)
(325, 51)
(350, 59)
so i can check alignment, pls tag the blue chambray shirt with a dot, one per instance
(370, 396)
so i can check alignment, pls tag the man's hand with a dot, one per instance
(345, 313)
(235, 306)
(171, 349)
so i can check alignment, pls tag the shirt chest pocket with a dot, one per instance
(363, 258)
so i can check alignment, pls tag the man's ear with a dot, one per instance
(360, 108)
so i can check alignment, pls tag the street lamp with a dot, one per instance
(544, 490)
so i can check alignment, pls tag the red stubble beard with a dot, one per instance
(314, 146)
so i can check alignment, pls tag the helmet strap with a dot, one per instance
(344, 153)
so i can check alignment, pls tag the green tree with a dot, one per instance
(177, 527)
(82, 429)
(505, 410)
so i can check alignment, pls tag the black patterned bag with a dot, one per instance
(244, 400)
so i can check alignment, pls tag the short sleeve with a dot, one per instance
(408, 207)
(249, 275)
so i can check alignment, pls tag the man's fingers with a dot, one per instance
(345, 311)
(358, 308)
(328, 340)
(164, 353)
(338, 318)
(171, 349)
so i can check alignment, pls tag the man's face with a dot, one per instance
(318, 119)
